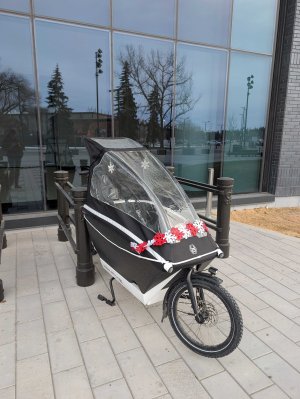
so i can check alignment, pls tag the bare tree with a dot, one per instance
(156, 71)
(16, 94)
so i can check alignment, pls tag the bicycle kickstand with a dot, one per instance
(110, 302)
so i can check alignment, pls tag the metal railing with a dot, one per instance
(70, 201)
(221, 224)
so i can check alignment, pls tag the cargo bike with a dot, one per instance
(151, 240)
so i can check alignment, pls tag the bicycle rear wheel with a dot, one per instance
(216, 329)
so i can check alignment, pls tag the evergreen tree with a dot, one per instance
(126, 107)
(60, 135)
(154, 129)
(58, 106)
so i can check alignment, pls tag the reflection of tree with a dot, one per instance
(126, 106)
(16, 96)
(61, 129)
(155, 71)
(153, 124)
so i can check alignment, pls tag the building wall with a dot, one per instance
(288, 179)
(282, 166)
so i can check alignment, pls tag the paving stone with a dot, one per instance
(64, 262)
(44, 258)
(285, 348)
(216, 384)
(140, 375)
(296, 302)
(64, 351)
(26, 265)
(158, 347)
(9, 303)
(51, 291)
(72, 384)
(135, 313)
(27, 286)
(29, 308)
(113, 390)
(272, 392)
(8, 278)
(7, 327)
(103, 310)
(251, 320)
(8, 393)
(7, 365)
(31, 339)
(57, 317)
(58, 248)
(280, 304)
(282, 323)
(156, 313)
(87, 325)
(201, 366)
(67, 277)
(34, 378)
(47, 273)
(248, 299)
(120, 334)
(180, 381)
(279, 289)
(252, 346)
(247, 283)
(281, 373)
(100, 362)
(245, 372)
(77, 298)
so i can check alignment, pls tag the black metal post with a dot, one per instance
(4, 240)
(225, 185)
(61, 177)
(85, 270)
(84, 172)
(1, 291)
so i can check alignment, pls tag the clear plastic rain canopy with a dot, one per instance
(136, 183)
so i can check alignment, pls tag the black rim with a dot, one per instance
(213, 328)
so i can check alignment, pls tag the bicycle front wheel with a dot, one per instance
(216, 329)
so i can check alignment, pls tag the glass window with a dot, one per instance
(199, 111)
(91, 11)
(253, 25)
(205, 21)
(246, 119)
(143, 92)
(75, 101)
(20, 173)
(155, 17)
(16, 5)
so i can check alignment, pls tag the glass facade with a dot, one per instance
(188, 79)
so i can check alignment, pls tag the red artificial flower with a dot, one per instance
(177, 233)
(159, 239)
(141, 247)
(205, 227)
(193, 230)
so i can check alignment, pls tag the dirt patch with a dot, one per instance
(283, 220)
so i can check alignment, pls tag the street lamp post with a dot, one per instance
(250, 84)
(98, 65)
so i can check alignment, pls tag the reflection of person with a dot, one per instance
(13, 148)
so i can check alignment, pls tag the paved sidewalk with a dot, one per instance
(58, 341)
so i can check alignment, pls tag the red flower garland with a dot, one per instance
(175, 234)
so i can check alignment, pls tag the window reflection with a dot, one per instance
(19, 155)
(71, 93)
(205, 21)
(92, 11)
(155, 17)
(16, 5)
(200, 115)
(246, 119)
(253, 25)
(143, 92)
